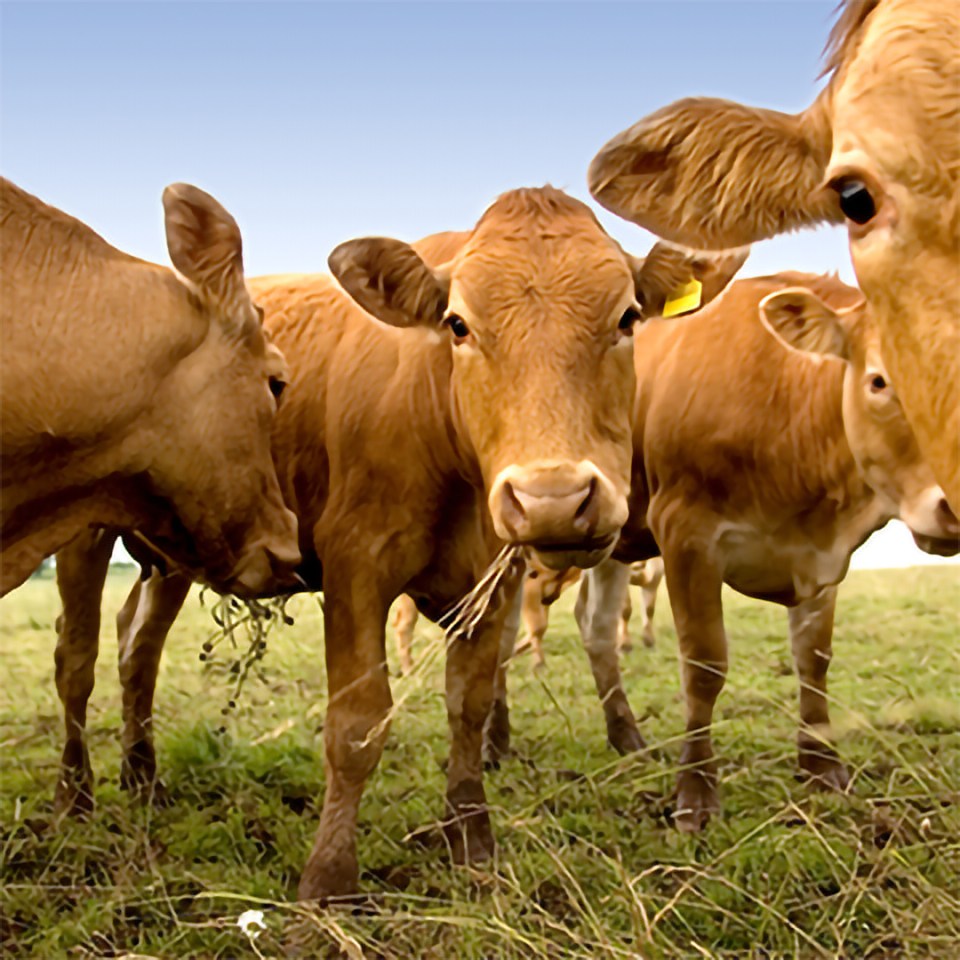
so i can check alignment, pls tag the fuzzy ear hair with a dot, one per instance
(667, 269)
(714, 174)
(205, 246)
(389, 280)
(804, 322)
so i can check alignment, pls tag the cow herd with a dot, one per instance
(387, 430)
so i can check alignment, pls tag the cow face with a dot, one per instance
(217, 402)
(877, 430)
(878, 150)
(538, 308)
(894, 174)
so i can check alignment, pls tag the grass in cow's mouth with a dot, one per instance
(588, 866)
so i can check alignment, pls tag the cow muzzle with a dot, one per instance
(934, 525)
(569, 514)
(269, 565)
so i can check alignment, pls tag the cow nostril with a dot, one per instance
(513, 501)
(587, 515)
(946, 516)
(587, 500)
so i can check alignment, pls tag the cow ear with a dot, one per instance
(804, 322)
(205, 246)
(714, 174)
(671, 280)
(389, 280)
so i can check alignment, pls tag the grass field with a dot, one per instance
(588, 865)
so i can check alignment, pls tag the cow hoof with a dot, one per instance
(649, 641)
(824, 770)
(467, 827)
(496, 734)
(624, 737)
(146, 792)
(74, 796)
(324, 881)
(697, 801)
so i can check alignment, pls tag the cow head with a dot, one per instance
(209, 455)
(878, 150)
(880, 438)
(538, 308)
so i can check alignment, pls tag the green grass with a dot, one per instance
(588, 864)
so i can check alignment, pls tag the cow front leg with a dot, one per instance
(811, 636)
(471, 665)
(356, 725)
(496, 730)
(81, 571)
(598, 611)
(694, 585)
(142, 627)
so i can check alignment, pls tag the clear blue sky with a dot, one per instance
(315, 122)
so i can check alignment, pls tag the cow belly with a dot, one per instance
(771, 567)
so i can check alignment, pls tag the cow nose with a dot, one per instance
(523, 511)
(551, 503)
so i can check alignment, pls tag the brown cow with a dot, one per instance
(879, 147)
(501, 412)
(764, 468)
(135, 397)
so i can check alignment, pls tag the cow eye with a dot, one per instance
(877, 383)
(457, 327)
(630, 316)
(277, 386)
(856, 201)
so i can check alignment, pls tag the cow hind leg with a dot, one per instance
(624, 643)
(81, 571)
(811, 634)
(356, 725)
(695, 585)
(404, 622)
(142, 627)
(598, 610)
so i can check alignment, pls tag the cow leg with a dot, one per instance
(536, 619)
(598, 610)
(624, 643)
(404, 621)
(355, 729)
(811, 633)
(81, 571)
(471, 667)
(695, 587)
(648, 593)
(496, 731)
(142, 627)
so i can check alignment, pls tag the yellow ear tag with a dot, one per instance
(684, 299)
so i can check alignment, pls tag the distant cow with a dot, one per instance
(879, 148)
(491, 402)
(541, 587)
(764, 468)
(136, 397)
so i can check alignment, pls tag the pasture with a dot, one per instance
(589, 865)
